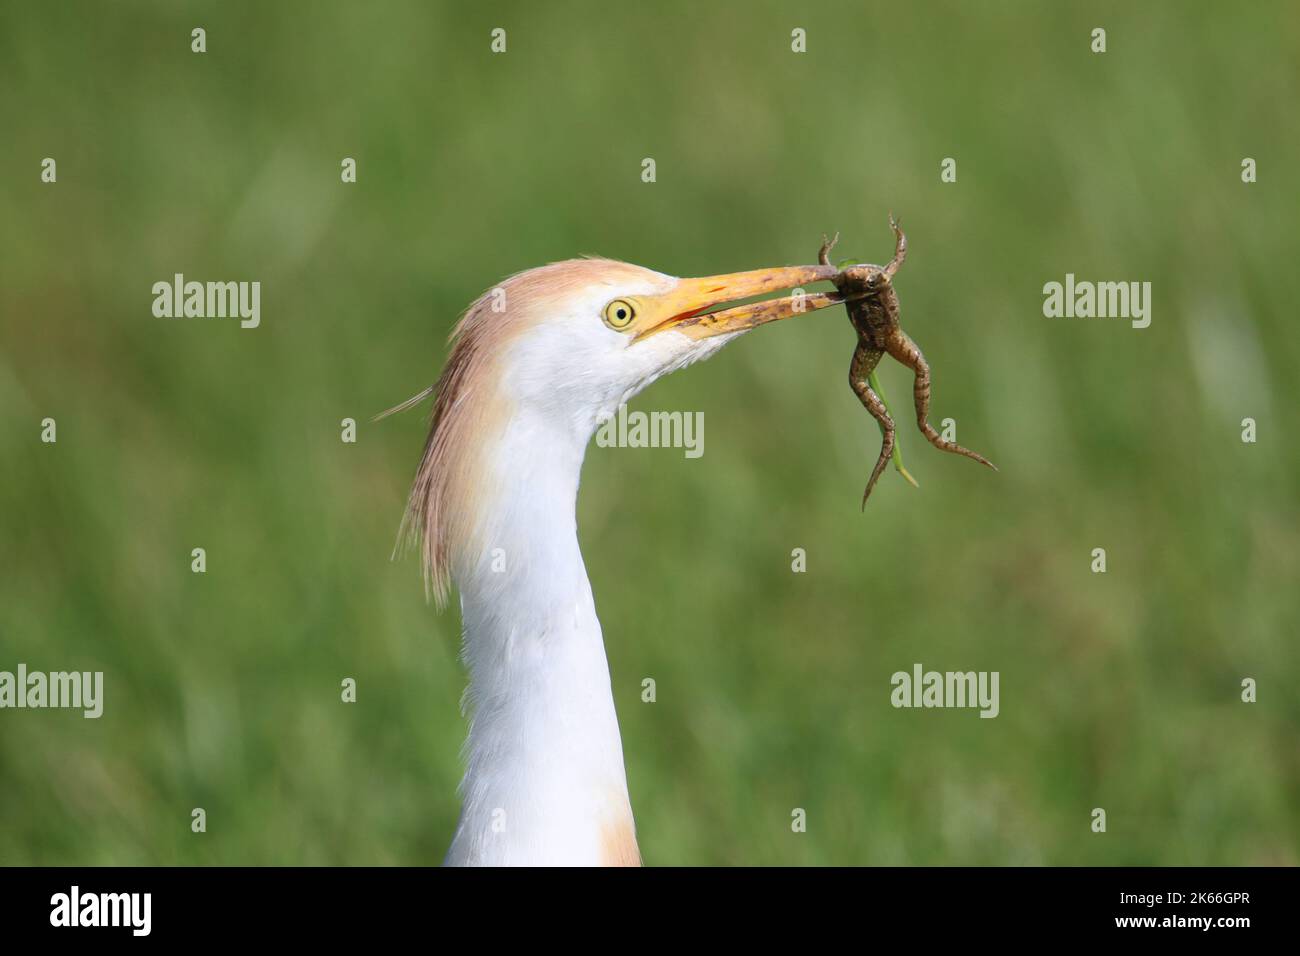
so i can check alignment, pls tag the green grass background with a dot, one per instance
(222, 690)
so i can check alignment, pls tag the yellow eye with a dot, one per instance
(619, 314)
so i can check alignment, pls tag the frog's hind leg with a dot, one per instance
(902, 348)
(900, 248)
(864, 362)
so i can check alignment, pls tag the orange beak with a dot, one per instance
(691, 307)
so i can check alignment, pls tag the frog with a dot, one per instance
(874, 312)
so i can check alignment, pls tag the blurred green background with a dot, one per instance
(1118, 690)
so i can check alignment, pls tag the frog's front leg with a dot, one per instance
(902, 348)
(824, 254)
(900, 247)
(864, 363)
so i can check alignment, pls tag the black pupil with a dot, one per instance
(622, 313)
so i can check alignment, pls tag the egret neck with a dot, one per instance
(545, 780)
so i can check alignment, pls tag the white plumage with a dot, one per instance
(536, 365)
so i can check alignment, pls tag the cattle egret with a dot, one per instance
(536, 365)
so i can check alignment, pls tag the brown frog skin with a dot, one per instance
(874, 314)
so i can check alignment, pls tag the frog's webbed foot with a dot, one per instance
(824, 255)
(904, 350)
(864, 362)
